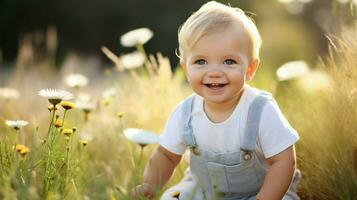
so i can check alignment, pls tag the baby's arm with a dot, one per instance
(157, 171)
(279, 176)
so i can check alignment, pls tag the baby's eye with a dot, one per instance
(200, 62)
(230, 62)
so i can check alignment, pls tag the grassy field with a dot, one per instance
(87, 157)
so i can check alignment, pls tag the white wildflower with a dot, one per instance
(135, 37)
(9, 93)
(16, 124)
(85, 137)
(316, 81)
(55, 96)
(86, 106)
(343, 1)
(285, 1)
(109, 93)
(83, 97)
(76, 80)
(132, 60)
(292, 70)
(140, 136)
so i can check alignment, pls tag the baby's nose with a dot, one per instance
(215, 73)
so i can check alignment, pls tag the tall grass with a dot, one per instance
(328, 150)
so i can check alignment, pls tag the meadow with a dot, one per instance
(78, 149)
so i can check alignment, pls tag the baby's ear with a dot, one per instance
(252, 68)
(183, 66)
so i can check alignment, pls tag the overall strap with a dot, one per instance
(185, 121)
(253, 120)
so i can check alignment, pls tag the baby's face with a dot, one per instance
(218, 65)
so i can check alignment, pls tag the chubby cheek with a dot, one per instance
(195, 78)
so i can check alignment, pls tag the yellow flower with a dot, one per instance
(67, 105)
(21, 149)
(24, 151)
(18, 147)
(67, 132)
(58, 123)
(120, 114)
(84, 142)
(106, 101)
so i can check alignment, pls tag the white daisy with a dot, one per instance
(9, 93)
(85, 137)
(140, 136)
(83, 97)
(86, 106)
(137, 36)
(55, 96)
(109, 93)
(132, 60)
(316, 81)
(16, 124)
(285, 1)
(343, 1)
(76, 80)
(292, 70)
(305, 1)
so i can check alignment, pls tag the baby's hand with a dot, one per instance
(143, 190)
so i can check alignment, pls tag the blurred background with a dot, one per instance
(291, 29)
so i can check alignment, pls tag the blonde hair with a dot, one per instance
(214, 17)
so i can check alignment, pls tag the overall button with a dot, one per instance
(195, 151)
(247, 156)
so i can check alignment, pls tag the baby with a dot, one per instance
(240, 144)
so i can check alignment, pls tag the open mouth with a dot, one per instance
(215, 85)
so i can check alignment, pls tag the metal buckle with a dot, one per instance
(247, 155)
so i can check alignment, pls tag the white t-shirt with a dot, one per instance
(275, 133)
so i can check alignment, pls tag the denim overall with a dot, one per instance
(235, 175)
